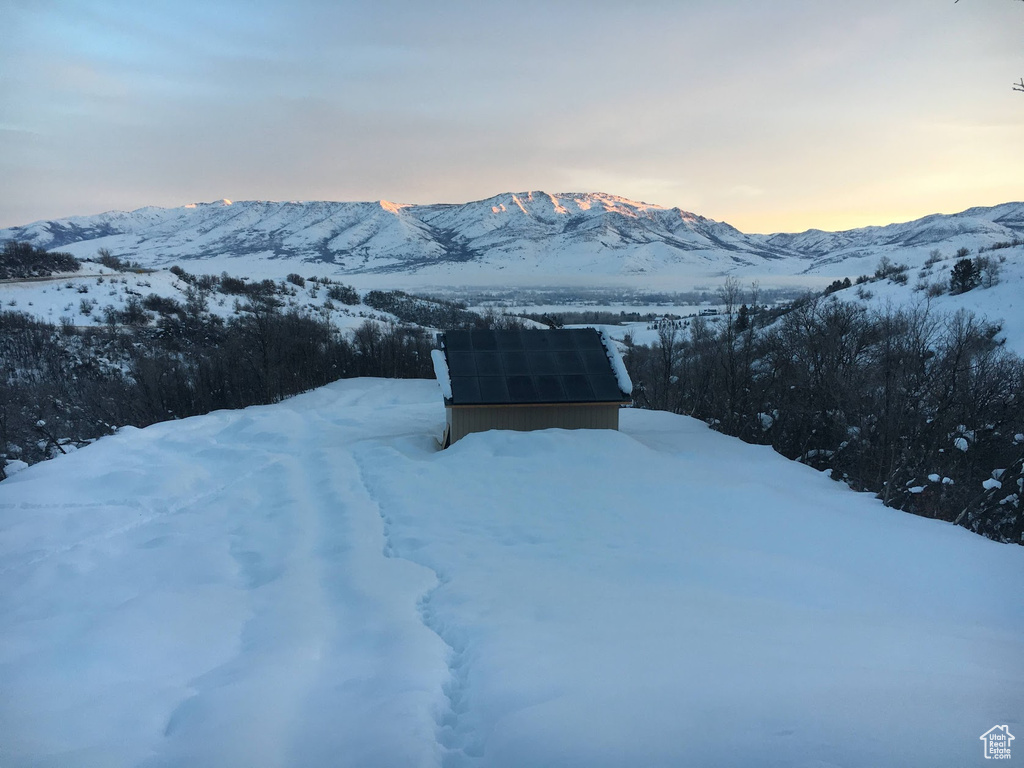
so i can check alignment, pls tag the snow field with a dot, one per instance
(314, 583)
(628, 617)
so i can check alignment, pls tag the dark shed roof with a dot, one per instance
(522, 367)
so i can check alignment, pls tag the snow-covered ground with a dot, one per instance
(313, 583)
(80, 298)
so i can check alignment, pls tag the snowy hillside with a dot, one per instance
(856, 251)
(927, 285)
(313, 583)
(88, 297)
(532, 235)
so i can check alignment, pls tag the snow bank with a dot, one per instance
(14, 465)
(313, 582)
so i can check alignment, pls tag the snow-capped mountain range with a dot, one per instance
(531, 233)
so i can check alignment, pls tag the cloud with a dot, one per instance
(738, 111)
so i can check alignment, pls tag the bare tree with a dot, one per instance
(1016, 86)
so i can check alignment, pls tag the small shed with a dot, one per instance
(529, 379)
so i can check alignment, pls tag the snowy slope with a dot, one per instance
(313, 583)
(856, 251)
(1002, 303)
(594, 232)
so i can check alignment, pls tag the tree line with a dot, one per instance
(63, 387)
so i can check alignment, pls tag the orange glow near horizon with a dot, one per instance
(770, 221)
(836, 221)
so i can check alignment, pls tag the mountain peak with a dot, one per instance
(568, 203)
(222, 203)
(390, 207)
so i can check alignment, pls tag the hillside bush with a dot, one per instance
(887, 269)
(344, 294)
(19, 261)
(432, 313)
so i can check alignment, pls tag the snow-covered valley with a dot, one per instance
(584, 248)
(314, 583)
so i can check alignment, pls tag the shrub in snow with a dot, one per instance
(987, 270)
(864, 295)
(346, 294)
(887, 269)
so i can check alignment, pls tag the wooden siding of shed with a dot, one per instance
(462, 420)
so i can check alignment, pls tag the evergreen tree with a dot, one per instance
(742, 319)
(963, 276)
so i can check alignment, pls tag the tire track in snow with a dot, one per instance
(455, 735)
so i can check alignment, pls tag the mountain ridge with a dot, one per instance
(561, 233)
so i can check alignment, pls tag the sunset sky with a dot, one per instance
(773, 116)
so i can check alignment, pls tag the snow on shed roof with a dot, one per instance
(520, 367)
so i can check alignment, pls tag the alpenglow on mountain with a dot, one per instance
(511, 233)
